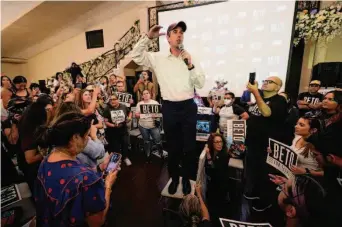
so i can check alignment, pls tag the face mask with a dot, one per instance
(227, 102)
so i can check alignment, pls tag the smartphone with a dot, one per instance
(251, 78)
(78, 85)
(113, 162)
(141, 77)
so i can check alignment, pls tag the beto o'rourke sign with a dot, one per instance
(150, 110)
(281, 157)
(233, 223)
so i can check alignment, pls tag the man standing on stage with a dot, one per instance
(177, 75)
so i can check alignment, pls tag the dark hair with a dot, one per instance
(34, 116)
(34, 85)
(57, 74)
(19, 79)
(337, 96)
(107, 80)
(231, 94)
(7, 78)
(60, 132)
(314, 123)
(307, 195)
(211, 144)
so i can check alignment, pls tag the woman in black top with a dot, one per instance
(20, 90)
(329, 143)
(34, 116)
(216, 168)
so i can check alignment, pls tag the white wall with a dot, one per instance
(49, 62)
(12, 70)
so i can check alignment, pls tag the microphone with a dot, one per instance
(181, 48)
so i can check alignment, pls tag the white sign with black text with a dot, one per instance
(124, 98)
(118, 116)
(281, 157)
(233, 223)
(150, 110)
(9, 195)
(204, 110)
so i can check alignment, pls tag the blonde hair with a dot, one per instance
(190, 210)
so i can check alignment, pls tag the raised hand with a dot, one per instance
(155, 32)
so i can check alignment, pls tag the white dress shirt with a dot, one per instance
(176, 81)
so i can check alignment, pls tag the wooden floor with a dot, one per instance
(136, 199)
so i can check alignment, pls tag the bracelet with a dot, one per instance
(110, 189)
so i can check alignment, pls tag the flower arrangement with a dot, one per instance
(323, 25)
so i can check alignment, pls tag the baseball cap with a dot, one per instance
(317, 82)
(180, 24)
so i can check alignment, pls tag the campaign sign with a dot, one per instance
(124, 98)
(281, 157)
(204, 110)
(202, 130)
(9, 195)
(150, 110)
(117, 116)
(233, 223)
(236, 134)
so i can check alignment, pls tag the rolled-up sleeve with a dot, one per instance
(197, 76)
(140, 55)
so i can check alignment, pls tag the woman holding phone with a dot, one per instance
(68, 193)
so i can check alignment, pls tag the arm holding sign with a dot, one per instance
(263, 107)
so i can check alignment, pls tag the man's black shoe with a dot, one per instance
(186, 186)
(173, 186)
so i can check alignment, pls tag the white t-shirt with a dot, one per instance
(309, 162)
(226, 113)
(146, 122)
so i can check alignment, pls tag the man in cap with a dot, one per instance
(178, 75)
(311, 100)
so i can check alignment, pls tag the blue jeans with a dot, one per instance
(147, 134)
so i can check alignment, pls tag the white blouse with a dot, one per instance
(304, 162)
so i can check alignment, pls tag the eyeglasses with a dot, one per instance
(113, 99)
(90, 90)
(269, 82)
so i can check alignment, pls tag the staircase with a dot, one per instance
(109, 61)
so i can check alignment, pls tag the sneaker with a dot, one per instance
(260, 206)
(127, 162)
(249, 196)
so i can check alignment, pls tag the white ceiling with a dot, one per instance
(13, 10)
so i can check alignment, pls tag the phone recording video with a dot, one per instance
(78, 85)
(113, 162)
(251, 78)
